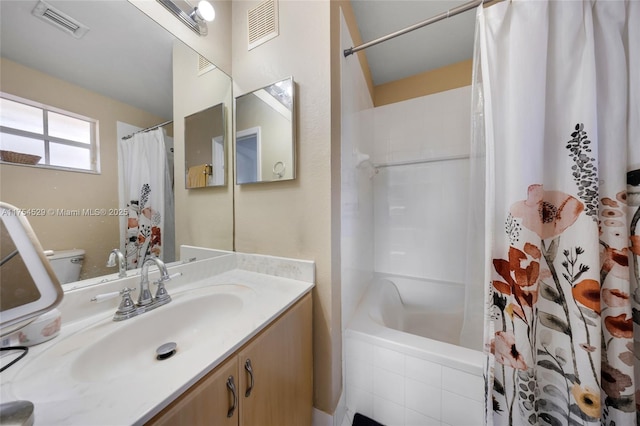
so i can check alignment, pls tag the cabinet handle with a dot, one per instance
(232, 388)
(247, 366)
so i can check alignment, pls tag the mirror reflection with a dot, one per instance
(120, 74)
(204, 143)
(265, 145)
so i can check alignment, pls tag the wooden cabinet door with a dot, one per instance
(208, 402)
(282, 367)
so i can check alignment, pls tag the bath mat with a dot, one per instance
(360, 420)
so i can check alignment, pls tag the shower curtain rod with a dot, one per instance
(148, 129)
(444, 15)
(427, 160)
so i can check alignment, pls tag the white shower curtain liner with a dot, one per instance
(145, 191)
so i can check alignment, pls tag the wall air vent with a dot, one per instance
(204, 66)
(262, 23)
(59, 19)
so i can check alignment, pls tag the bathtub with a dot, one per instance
(403, 362)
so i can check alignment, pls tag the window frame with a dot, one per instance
(93, 146)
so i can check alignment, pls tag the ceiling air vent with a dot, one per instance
(59, 19)
(262, 23)
(204, 66)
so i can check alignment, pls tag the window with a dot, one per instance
(61, 139)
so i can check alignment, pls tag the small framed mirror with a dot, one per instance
(205, 148)
(28, 285)
(265, 134)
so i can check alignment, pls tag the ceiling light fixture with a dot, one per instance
(196, 18)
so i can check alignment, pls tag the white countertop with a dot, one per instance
(130, 386)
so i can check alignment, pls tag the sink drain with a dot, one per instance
(166, 350)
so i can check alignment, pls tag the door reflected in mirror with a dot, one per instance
(265, 129)
(204, 143)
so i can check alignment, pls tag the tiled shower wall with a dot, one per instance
(420, 210)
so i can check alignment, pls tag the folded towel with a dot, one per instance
(197, 176)
(360, 420)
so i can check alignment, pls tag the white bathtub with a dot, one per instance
(404, 365)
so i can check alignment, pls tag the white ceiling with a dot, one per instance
(125, 55)
(434, 46)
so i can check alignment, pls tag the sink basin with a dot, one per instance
(124, 352)
(134, 345)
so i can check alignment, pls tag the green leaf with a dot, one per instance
(624, 403)
(550, 405)
(549, 365)
(555, 392)
(550, 419)
(550, 293)
(589, 313)
(553, 322)
(579, 413)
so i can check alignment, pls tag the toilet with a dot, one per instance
(66, 264)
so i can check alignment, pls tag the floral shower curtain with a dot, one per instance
(561, 87)
(146, 194)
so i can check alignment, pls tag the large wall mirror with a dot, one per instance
(123, 72)
(205, 148)
(265, 134)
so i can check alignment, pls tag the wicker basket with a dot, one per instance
(19, 157)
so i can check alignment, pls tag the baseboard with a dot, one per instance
(320, 418)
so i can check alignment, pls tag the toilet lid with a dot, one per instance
(61, 254)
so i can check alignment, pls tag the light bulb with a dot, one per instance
(206, 11)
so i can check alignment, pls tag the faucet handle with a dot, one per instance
(162, 296)
(106, 296)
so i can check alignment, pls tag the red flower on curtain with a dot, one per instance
(620, 326)
(616, 262)
(587, 293)
(521, 274)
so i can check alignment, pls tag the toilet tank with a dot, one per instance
(66, 264)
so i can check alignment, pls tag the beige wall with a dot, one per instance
(33, 187)
(427, 83)
(294, 218)
(204, 216)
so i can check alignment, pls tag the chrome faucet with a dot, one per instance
(145, 298)
(122, 262)
(146, 302)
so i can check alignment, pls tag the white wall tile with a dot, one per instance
(423, 371)
(463, 383)
(388, 385)
(388, 360)
(359, 401)
(452, 414)
(387, 412)
(425, 399)
(359, 349)
(413, 418)
(359, 373)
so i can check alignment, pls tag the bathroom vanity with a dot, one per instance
(242, 327)
(266, 382)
